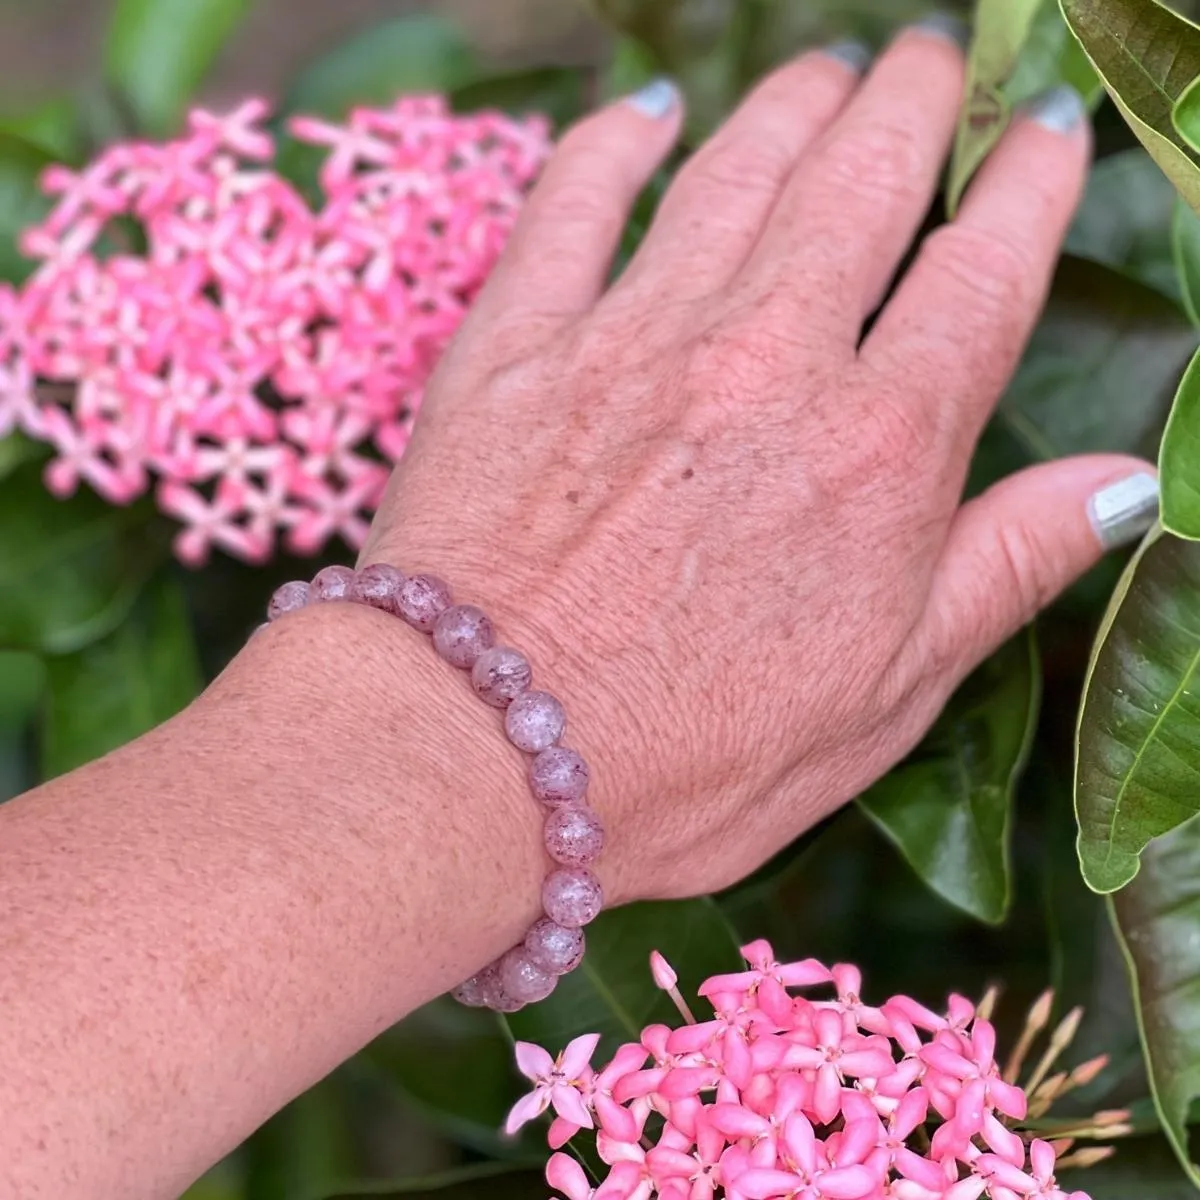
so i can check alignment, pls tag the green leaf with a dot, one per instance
(1001, 28)
(1186, 115)
(107, 694)
(159, 52)
(612, 993)
(69, 569)
(22, 682)
(1179, 459)
(556, 92)
(455, 1064)
(1185, 252)
(489, 1181)
(22, 202)
(53, 127)
(1101, 369)
(1143, 1167)
(1157, 918)
(947, 808)
(1137, 772)
(1147, 55)
(1051, 56)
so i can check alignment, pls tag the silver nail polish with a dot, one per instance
(655, 100)
(1124, 511)
(1061, 109)
(855, 55)
(947, 25)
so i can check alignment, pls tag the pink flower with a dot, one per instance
(556, 1082)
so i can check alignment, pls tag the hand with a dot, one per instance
(727, 528)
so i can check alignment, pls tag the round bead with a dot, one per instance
(472, 993)
(421, 600)
(534, 721)
(524, 980)
(554, 947)
(574, 835)
(461, 634)
(494, 995)
(377, 585)
(287, 598)
(558, 776)
(331, 583)
(500, 675)
(572, 896)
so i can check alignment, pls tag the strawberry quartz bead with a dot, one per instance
(535, 721)
(473, 993)
(378, 586)
(523, 979)
(574, 835)
(500, 675)
(572, 896)
(422, 599)
(554, 947)
(462, 633)
(558, 776)
(332, 583)
(287, 598)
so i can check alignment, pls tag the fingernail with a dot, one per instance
(1061, 109)
(655, 100)
(946, 25)
(1122, 512)
(855, 55)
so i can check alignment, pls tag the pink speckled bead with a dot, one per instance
(377, 585)
(572, 896)
(574, 835)
(331, 583)
(494, 995)
(534, 721)
(523, 979)
(422, 599)
(500, 675)
(558, 776)
(287, 598)
(474, 992)
(554, 947)
(462, 633)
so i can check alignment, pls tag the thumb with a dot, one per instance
(1013, 549)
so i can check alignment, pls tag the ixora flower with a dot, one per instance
(194, 326)
(785, 1097)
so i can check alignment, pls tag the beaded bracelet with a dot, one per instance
(534, 722)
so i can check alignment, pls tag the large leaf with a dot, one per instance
(159, 52)
(1138, 753)
(612, 993)
(1142, 1169)
(1001, 29)
(105, 695)
(948, 807)
(1051, 56)
(1147, 55)
(21, 200)
(490, 1181)
(1179, 459)
(69, 569)
(556, 92)
(1158, 920)
(1185, 247)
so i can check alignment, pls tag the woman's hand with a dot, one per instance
(725, 526)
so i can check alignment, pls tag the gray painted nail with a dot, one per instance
(655, 100)
(855, 55)
(1124, 511)
(1061, 109)
(953, 28)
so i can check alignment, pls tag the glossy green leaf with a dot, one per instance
(1001, 29)
(456, 1065)
(53, 127)
(1158, 921)
(1142, 1169)
(69, 569)
(1147, 55)
(1138, 749)
(117, 688)
(612, 993)
(1186, 116)
(555, 92)
(490, 1181)
(22, 202)
(1179, 459)
(948, 807)
(1051, 56)
(159, 52)
(1185, 251)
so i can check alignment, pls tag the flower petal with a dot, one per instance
(533, 1062)
(578, 1054)
(568, 1103)
(527, 1109)
(565, 1175)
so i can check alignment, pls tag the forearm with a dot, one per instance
(202, 925)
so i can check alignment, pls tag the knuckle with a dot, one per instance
(876, 165)
(1025, 568)
(988, 267)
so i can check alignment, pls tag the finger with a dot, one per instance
(970, 301)
(557, 260)
(853, 205)
(1013, 549)
(714, 212)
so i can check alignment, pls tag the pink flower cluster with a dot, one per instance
(193, 322)
(780, 1096)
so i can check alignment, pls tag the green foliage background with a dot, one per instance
(1044, 833)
